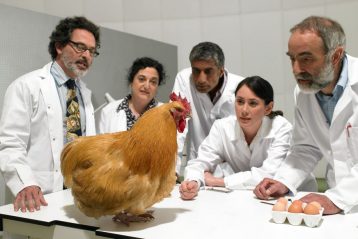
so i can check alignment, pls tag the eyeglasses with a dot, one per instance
(81, 48)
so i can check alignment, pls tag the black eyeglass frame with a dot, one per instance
(81, 48)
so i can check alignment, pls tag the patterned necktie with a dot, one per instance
(73, 122)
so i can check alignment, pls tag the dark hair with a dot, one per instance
(208, 51)
(263, 89)
(330, 31)
(63, 32)
(144, 62)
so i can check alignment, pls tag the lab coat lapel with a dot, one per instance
(203, 107)
(236, 136)
(86, 97)
(342, 103)
(352, 84)
(50, 96)
(320, 114)
(53, 110)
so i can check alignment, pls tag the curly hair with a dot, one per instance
(144, 62)
(63, 31)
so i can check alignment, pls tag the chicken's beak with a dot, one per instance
(188, 115)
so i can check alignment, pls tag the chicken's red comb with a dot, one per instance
(173, 96)
(184, 101)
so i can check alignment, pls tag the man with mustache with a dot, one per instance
(209, 88)
(35, 120)
(325, 117)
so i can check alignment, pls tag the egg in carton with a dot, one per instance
(296, 212)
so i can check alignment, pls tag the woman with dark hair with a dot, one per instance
(240, 151)
(144, 77)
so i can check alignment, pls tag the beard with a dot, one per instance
(71, 65)
(316, 83)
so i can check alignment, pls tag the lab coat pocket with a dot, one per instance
(352, 142)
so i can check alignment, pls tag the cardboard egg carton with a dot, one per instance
(297, 218)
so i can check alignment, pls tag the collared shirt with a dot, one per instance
(60, 78)
(220, 91)
(206, 103)
(329, 102)
(131, 119)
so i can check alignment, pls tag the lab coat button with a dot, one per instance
(53, 139)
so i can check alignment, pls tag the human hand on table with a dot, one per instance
(188, 189)
(326, 203)
(29, 198)
(270, 188)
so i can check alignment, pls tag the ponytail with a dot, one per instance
(275, 113)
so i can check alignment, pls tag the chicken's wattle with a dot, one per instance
(181, 125)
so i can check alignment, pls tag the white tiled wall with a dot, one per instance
(183, 9)
(213, 8)
(111, 11)
(140, 10)
(263, 47)
(294, 4)
(252, 6)
(252, 33)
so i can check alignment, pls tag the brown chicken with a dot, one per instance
(125, 173)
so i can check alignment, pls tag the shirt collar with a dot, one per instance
(59, 75)
(218, 94)
(343, 77)
(124, 105)
(263, 132)
(221, 90)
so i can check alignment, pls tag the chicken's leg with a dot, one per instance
(126, 218)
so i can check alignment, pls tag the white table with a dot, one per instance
(211, 215)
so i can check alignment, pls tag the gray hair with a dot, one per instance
(330, 31)
(208, 51)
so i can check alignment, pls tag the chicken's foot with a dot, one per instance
(126, 218)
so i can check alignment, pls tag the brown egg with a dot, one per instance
(296, 207)
(311, 209)
(279, 206)
(282, 200)
(317, 204)
(298, 202)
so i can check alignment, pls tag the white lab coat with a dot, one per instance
(314, 139)
(225, 146)
(112, 121)
(31, 132)
(204, 113)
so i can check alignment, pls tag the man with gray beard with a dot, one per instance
(326, 118)
(42, 112)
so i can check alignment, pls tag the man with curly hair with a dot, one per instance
(34, 126)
